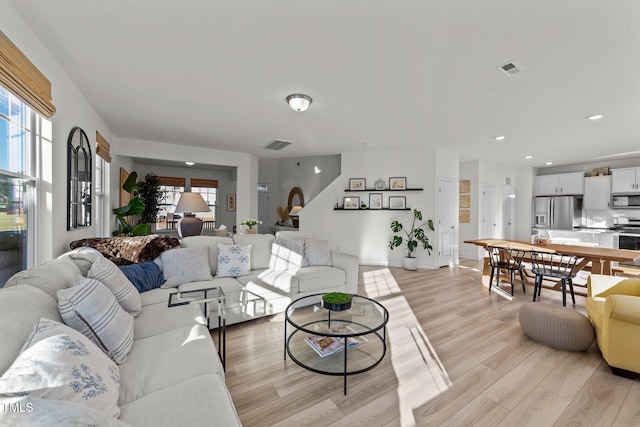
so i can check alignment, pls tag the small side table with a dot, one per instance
(205, 296)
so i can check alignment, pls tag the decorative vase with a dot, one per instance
(410, 263)
(336, 307)
(251, 231)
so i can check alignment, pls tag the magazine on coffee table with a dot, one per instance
(326, 346)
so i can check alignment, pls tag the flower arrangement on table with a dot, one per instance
(250, 223)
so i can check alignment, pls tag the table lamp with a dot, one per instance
(188, 204)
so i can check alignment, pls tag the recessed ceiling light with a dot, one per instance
(499, 138)
(595, 117)
(189, 163)
(549, 163)
(528, 157)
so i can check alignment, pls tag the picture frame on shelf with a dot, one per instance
(356, 184)
(231, 202)
(375, 200)
(351, 203)
(398, 183)
(397, 202)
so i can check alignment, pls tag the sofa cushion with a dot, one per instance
(18, 322)
(144, 276)
(157, 319)
(176, 406)
(281, 282)
(209, 241)
(45, 412)
(287, 254)
(260, 248)
(233, 260)
(290, 234)
(317, 252)
(83, 258)
(231, 287)
(156, 296)
(110, 275)
(90, 307)
(315, 278)
(184, 265)
(163, 360)
(50, 276)
(128, 250)
(59, 363)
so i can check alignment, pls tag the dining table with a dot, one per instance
(598, 259)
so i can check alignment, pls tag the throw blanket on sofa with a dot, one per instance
(129, 250)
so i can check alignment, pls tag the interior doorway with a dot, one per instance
(263, 208)
(489, 221)
(447, 222)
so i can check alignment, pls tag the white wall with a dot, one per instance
(470, 170)
(366, 233)
(246, 167)
(73, 109)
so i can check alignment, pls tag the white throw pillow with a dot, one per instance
(287, 255)
(317, 252)
(90, 307)
(233, 260)
(110, 275)
(59, 363)
(183, 265)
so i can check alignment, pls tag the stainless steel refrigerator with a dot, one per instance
(557, 213)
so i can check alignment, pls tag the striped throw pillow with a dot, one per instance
(110, 275)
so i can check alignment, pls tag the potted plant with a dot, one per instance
(336, 301)
(412, 238)
(134, 207)
(149, 190)
(250, 223)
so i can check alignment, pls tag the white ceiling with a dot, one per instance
(395, 74)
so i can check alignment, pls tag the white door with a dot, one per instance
(489, 222)
(508, 203)
(263, 212)
(447, 222)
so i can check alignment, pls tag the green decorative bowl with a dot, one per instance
(336, 301)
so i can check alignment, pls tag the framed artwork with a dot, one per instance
(398, 183)
(357, 184)
(465, 216)
(351, 202)
(465, 201)
(397, 202)
(231, 202)
(375, 200)
(464, 186)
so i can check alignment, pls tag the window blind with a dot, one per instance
(207, 183)
(23, 79)
(103, 147)
(172, 181)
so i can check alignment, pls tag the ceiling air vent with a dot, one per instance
(510, 68)
(277, 145)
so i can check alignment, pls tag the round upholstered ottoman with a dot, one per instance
(557, 327)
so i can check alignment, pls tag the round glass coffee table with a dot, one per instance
(340, 343)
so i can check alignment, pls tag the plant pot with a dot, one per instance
(251, 231)
(410, 263)
(336, 307)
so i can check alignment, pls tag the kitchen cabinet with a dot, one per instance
(626, 180)
(561, 184)
(597, 192)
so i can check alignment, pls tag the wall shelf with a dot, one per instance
(383, 209)
(374, 190)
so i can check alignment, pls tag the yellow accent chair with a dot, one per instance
(613, 307)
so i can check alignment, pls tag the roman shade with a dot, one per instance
(172, 181)
(207, 183)
(103, 147)
(23, 79)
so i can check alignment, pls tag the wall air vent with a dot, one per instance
(277, 145)
(510, 68)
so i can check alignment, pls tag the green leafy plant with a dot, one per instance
(149, 190)
(336, 298)
(412, 238)
(134, 207)
(250, 222)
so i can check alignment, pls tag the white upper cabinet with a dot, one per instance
(597, 192)
(565, 184)
(625, 180)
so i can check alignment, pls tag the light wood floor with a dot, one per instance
(457, 356)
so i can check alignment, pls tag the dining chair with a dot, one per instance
(506, 259)
(556, 266)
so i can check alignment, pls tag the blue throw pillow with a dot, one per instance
(144, 276)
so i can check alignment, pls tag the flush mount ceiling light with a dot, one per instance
(528, 157)
(549, 163)
(595, 117)
(189, 163)
(499, 138)
(299, 102)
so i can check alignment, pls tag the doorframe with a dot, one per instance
(455, 260)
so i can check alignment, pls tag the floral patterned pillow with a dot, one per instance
(233, 260)
(59, 363)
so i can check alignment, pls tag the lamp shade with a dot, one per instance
(299, 102)
(191, 202)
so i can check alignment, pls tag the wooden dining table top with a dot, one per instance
(605, 254)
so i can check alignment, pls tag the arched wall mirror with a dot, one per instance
(296, 201)
(79, 179)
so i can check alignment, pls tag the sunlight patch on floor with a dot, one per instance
(421, 376)
(380, 283)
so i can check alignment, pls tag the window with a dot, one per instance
(17, 183)
(171, 189)
(208, 189)
(100, 197)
